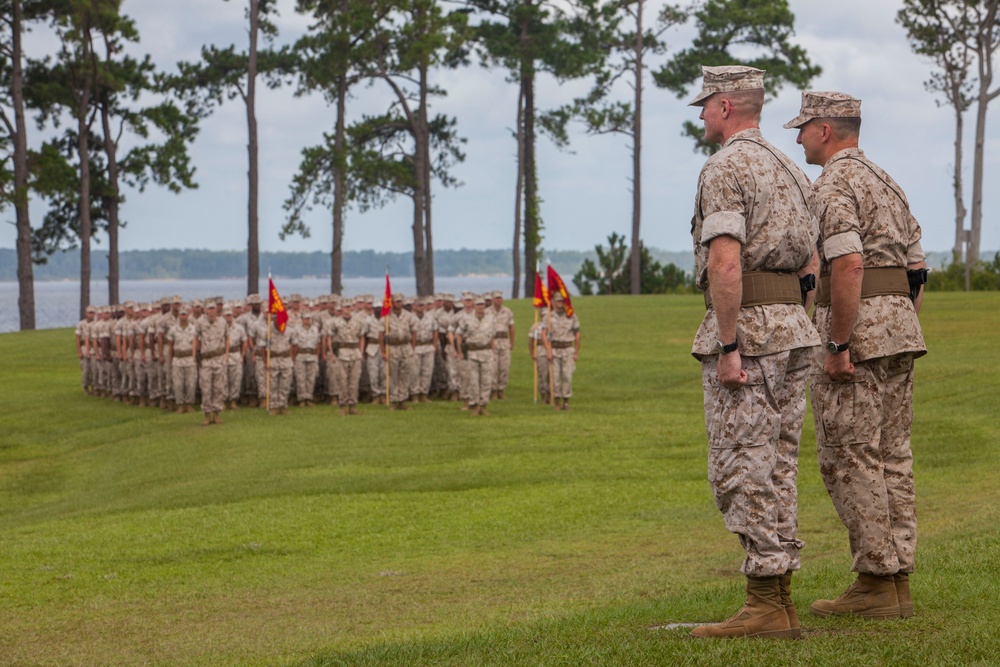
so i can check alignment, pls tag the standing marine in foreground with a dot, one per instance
(870, 289)
(753, 239)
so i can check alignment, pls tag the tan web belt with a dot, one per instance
(563, 344)
(348, 345)
(502, 334)
(877, 281)
(212, 355)
(307, 350)
(181, 353)
(763, 288)
(405, 341)
(476, 348)
(280, 355)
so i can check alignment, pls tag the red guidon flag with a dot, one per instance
(276, 306)
(387, 299)
(556, 284)
(541, 294)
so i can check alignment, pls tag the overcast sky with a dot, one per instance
(585, 191)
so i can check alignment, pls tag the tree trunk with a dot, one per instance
(957, 186)
(112, 199)
(340, 164)
(425, 177)
(25, 270)
(253, 245)
(986, 46)
(83, 154)
(518, 196)
(635, 267)
(532, 231)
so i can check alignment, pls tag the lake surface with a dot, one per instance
(57, 304)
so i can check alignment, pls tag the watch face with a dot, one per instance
(832, 347)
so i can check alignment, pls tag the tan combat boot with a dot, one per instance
(351, 410)
(870, 596)
(763, 614)
(207, 420)
(902, 581)
(216, 419)
(785, 589)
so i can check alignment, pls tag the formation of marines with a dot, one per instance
(221, 355)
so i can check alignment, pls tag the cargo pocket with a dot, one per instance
(847, 411)
(743, 417)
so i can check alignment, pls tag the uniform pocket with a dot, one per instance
(846, 412)
(743, 417)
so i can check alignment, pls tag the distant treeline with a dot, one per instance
(211, 264)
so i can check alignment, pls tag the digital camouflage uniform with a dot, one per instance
(863, 425)
(476, 335)
(281, 364)
(235, 365)
(561, 331)
(446, 320)
(753, 193)
(213, 345)
(166, 322)
(334, 373)
(541, 359)
(183, 370)
(423, 354)
(373, 357)
(346, 338)
(503, 321)
(82, 337)
(307, 349)
(399, 347)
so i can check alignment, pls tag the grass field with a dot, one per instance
(129, 536)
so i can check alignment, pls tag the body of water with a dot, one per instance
(57, 304)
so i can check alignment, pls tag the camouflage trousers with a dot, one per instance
(863, 442)
(501, 352)
(281, 382)
(563, 366)
(139, 387)
(212, 379)
(234, 378)
(153, 378)
(306, 369)
(451, 368)
(85, 380)
(542, 362)
(184, 379)
(463, 371)
(753, 438)
(423, 370)
(334, 377)
(350, 379)
(376, 373)
(400, 369)
(480, 364)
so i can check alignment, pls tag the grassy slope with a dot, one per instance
(130, 536)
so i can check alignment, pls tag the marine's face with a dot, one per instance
(811, 139)
(712, 115)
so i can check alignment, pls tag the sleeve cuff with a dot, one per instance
(915, 253)
(724, 223)
(846, 243)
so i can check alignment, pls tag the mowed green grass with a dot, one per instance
(130, 536)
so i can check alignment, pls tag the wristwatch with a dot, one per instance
(724, 348)
(837, 348)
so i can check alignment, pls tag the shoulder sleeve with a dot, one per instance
(837, 213)
(720, 201)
